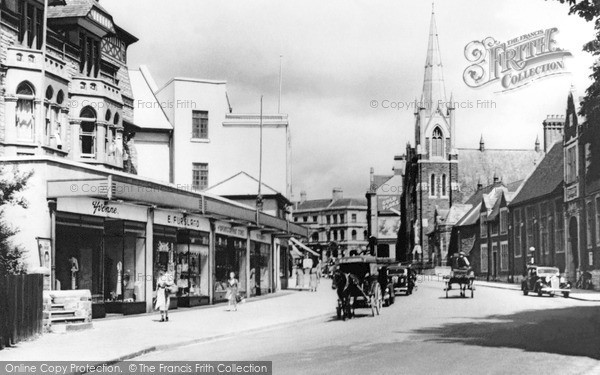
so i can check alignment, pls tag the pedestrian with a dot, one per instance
(164, 287)
(232, 291)
(313, 280)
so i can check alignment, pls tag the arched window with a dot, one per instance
(87, 133)
(353, 235)
(444, 189)
(25, 109)
(437, 142)
(432, 185)
(365, 235)
(315, 237)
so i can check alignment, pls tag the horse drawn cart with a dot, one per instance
(357, 280)
(461, 275)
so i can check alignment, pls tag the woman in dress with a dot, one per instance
(232, 291)
(163, 285)
(313, 279)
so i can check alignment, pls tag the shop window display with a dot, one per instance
(192, 268)
(230, 256)
(165, 241)
(260, 266)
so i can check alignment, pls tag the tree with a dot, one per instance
(590, 106)
(12, 182)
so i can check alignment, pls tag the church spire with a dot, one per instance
(434, 90)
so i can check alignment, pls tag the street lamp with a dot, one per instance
(532, 251)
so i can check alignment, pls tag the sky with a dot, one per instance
(341, 55)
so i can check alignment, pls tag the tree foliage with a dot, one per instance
(12, 182)
(589, 10)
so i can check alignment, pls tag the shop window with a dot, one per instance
(25, 121)
(260, 266)
(87, 133)
(230, 256)
(200, 124)
(192, 266)
(200, 176)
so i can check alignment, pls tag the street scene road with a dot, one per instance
(498, 331)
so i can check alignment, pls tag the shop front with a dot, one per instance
(261, 269)
(181, 247)
(231, 255)
(101, 246)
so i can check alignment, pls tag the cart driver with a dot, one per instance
(463, 262)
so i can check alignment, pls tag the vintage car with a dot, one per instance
(545, 280)
(402, 278)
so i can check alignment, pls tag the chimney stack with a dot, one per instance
(338, 193)
(553, 131)
(302, 196)
(399, 164)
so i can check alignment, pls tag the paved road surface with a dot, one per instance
(497, 332)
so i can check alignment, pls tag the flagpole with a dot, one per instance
(259, 197)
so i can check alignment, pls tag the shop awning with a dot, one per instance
(303, 246)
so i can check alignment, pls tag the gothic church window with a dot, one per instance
(432, 185)
(437, 142)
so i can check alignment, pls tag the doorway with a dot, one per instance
(574, 246)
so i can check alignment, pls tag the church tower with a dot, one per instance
(434, 158)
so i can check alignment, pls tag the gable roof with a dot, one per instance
(471, 217)
(378, 181)
(241, 184)
(456, 212)
(74, 8)
(148, 114)
(545, 179)
(508, 165)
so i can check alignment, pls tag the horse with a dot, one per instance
(346, 285)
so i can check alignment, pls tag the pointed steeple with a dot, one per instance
(434, 90)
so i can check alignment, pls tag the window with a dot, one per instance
(200, 176)
(444, 190)
(589, 223)
(437, 143)
(354, 218)
(560, 227)
(25, 119)
(87, 133)
(342, 235)
(200, 124)
(517, 225)
(432, 185)
(305, 219)
(89, 62)
(315, 237)
(30, 17)
(598, 221)
(494, 228)
(571, 164)
(484, 257)
(504, 256)
(328, 219)
(335, 236)
(296, 219)
(529, 226)
(342, 219)
(482, 226)
(335, 219)
(544, 229)
(314, 219)
(353, 235)
(503, 221)
(365, 235)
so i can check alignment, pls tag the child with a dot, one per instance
(232, 291)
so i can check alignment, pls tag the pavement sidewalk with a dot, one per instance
(578, 294)
(113, 340)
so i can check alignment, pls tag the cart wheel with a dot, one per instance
(566, 294)
(372, 303)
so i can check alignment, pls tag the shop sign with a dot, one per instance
(259, 237)
(177, 219)
(388, 227)
(102, 208)
(227, 230)
(388, 203)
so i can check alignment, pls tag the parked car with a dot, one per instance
(402, 278)
(545, 280)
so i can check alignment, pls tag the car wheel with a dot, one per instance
(525, 291)
(566, 294)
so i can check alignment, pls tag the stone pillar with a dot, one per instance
(101, 141)
(149, 269)
(211, 263)
(74, 126)
(10, 115)
(248, 249)
(52, 209)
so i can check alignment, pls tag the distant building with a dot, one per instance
(439, 174)
(338, 223)
(384, 209)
